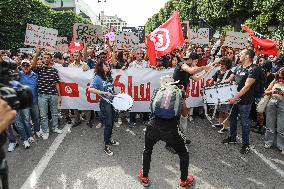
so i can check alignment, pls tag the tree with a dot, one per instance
(16, 14)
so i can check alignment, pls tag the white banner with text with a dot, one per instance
(138, 83)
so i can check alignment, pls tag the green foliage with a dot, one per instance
(15, 14)
(226, 14)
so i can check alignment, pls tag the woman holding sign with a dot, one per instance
(102, 84)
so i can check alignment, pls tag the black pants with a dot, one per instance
(174, 138)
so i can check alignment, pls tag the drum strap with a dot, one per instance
(210, 119)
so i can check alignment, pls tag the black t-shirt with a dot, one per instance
(241, 75)
(181, 75)
(218, 76)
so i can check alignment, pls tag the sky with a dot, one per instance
(134, 12)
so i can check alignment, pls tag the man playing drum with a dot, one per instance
(245, 75)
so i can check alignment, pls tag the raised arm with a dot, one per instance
(34, 62)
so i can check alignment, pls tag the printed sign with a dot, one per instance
(39, 36)
(61, 44)
(110, 36)
(86, 33)
(127, 40)
(27, 50)
(200, 36)
(236, 39)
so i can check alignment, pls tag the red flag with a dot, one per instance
(165, 38)
(69, 89)
(262, 46)
(75, 46)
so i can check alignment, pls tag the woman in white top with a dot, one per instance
(275, 113)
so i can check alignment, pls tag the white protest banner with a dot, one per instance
(200, 36)
(87, 33)
(139, 83)
(39, 36)
(236, 39)
(61, 44)
(127, 40)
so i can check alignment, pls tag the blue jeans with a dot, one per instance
(32, 113)
(244, 111)
(44, 101)
(23, 129)
(107, 115)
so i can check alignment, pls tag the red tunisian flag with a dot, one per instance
(165, 38)
(75, 46)
(69, 89)
(262, 46)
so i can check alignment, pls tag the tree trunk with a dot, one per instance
(237, 24)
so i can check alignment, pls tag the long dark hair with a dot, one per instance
(99, 69)
(122, 62)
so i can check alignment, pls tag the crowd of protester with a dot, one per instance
(44, 116)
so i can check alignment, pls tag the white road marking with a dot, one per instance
(229, 165)
(278, 161)
(266, 160)
(256, 182)
(41, 166)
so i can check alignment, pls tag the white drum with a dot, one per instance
(122, 102)
(220, 93)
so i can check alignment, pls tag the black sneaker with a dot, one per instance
(68, 120)
(187, 141)
(114, 143)
(90, 124)
(229, 140)
(132, 124)
(108, 151)
(245, 149)
(76, 124)
(223, 130)
(218, 126)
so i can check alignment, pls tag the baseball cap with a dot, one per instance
(25, 61)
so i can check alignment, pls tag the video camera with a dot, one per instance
(16, 95)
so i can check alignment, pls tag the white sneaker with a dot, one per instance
(267, 146)
(99, 125)
(39, 133)
(119, 121)
(26, 144)
(31, 140)
(45, 136)
(58, 131)
(128, 120)
(190, 118)
(116, 124)
(12, 146)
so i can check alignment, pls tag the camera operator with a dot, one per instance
(7, 115)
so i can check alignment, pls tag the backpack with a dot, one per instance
(166, 102)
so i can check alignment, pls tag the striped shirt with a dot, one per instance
(47, 79)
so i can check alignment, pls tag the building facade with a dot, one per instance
(112, 21)
(78, 6)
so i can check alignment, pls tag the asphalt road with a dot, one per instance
(75, 160)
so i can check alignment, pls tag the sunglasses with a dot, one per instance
(26, 65)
